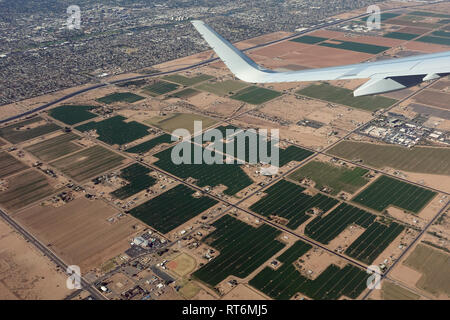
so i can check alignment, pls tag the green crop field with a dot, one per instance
(150, 144)
(325, 229)
(185, 93)
(417, 159)
(355, 46)
(255, 95)
(338, 178)
(222, 88)
(345, 96)
(242, 248)
(72, 114)
(387, 191)
(172, 208)
(25, 188)
(441, 33)
(115, 130)
(286, 199)
(10, 165)
(54, 148)
(373, 241)
(429, 14)
(401, 35)
(230, 175)
(88, 163)
(436, 40)
(26, 130)
(185, 81)
(120, 96)
(174, 121)
(286, 281)
(160, 87)
(138, 179)
(309, 39)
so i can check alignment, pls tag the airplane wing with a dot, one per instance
(384, 76)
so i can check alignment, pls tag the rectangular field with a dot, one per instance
(88, 163)
(287, 200)
(417, 159)
(242, 248)
(433, 98)
(222, 88)
(72, 114)
(309, 39)
(10, 165)
(400, 35)
(345, 97)
(27, 129)
(391, 291)
(355, 46)
(436, 40)
(185, 93)
(150, 144)
(172, 208)
(386, 191)
(138, 179)
(185, 81)
(115, 130)
(433, 264)
(333, 283)
(338, 178)
(230, 175)
(55, 147)
(25, 188)
(160, 87)
(255, 95)
(120, 97)
(174, 121)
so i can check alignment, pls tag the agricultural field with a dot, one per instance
(417, 159)
(135, 83)
(284, 282)
(174, 121)
(400, 35)
(72, 114)
(185, 93)
(88, 163)
(429, 14)
(172, 208)
(433, 264)
(25, 188)
(384, 16)
(138, 179)
(54, 148)
(27, 129)
(185, 81)
(386, 191)
(242, 248)
(255, 95)
(287, 200)
(115, 130)
(338, 178)
(436, 40)
(10, 165)
(327, 92)
(325, 229)
(120, 97)
(231, 175)
(150, 144)
(355, 46)
(160, 87)
(391, 291)
(309, 39)
(222, 88)
(373, 241)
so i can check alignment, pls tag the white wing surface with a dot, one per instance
(385, 76)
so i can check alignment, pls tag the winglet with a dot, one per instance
(240, 65)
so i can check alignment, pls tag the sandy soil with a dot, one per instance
(244, 292)
(25, 273)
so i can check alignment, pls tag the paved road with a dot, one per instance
(47, 252)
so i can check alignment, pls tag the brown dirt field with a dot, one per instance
(266, 38)
(441, 85)
(414, 30)
(25, 274)
(432, 98)
(327, 34)
(439, 8)
(279, 49)
(243, 292)
(398, 94)
(79, 231)
(424, 47)
(379, 41)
